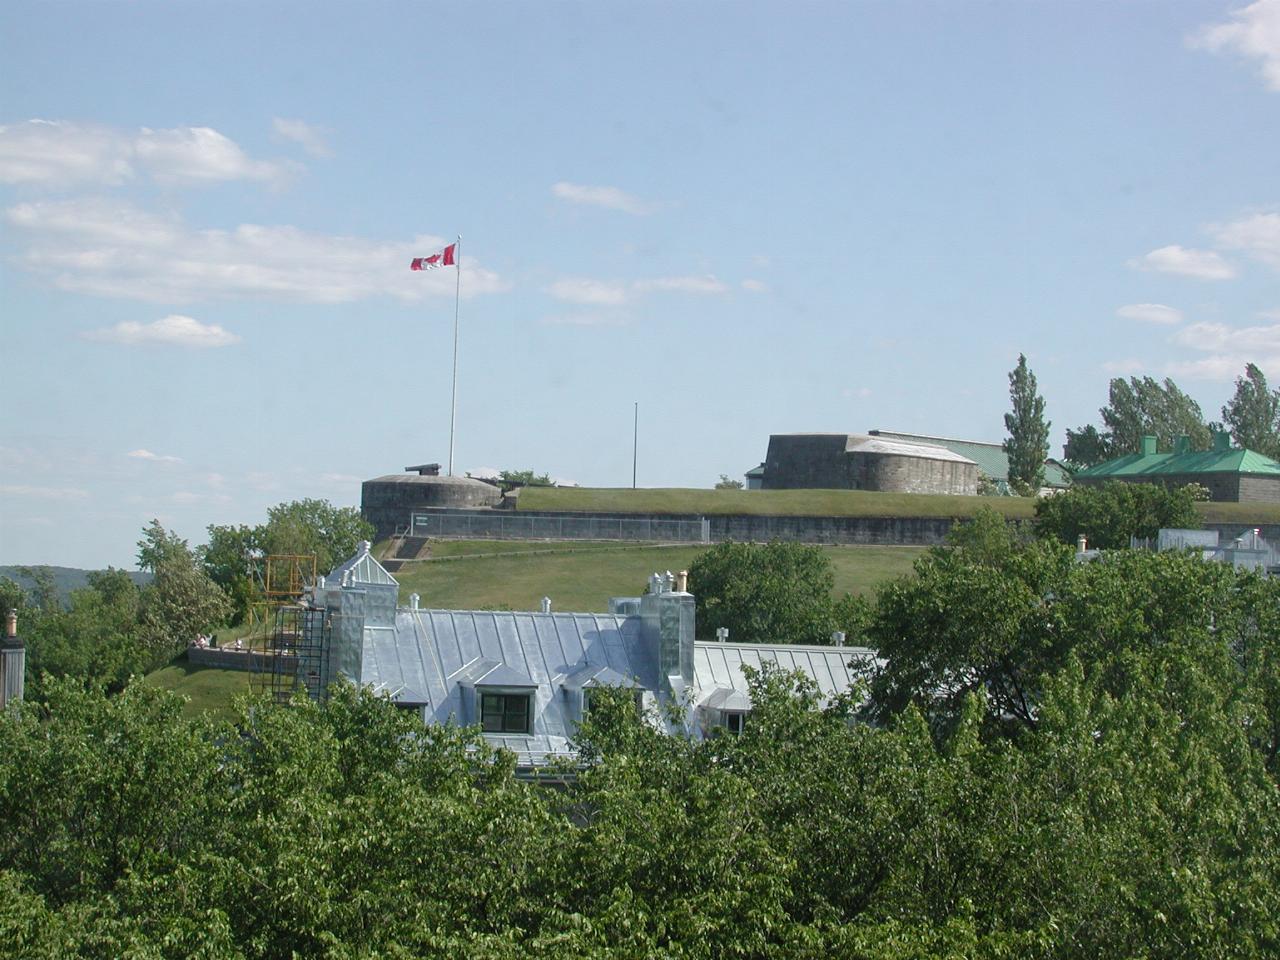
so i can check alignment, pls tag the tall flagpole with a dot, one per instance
(457, 298)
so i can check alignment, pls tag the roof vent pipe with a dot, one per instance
(837, 638)
(1082, 543)
(413, 601)
(722, 634)
(11, 624)
(546, 604)
(682, 581)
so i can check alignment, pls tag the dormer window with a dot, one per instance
(589, 694)
(734, 721)
(502, 698)
(725, 709)
(506, 713)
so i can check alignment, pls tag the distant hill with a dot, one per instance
(65, 579)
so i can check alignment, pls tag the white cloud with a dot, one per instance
(705, 285)
(611, 293)
(1201, 264)
(1228, 349)
(201, 154)
(755, 286)
(51, 153)
(59, 153)
(581, 290)
(610, 198)
(1252, 32)
(144, 454)
(173, 330)
(42, 493)
(1258, 236)
(116, 249)
(1150, 313)
(310, 138)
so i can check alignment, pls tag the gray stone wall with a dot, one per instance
(895, 473)
(222, 658)
(387, 502)
(822, 461)
(1222, 487)
(809, 461)
(1259, 489)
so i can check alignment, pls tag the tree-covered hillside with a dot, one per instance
(1062, 760)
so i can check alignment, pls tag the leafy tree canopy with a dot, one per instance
(1138, 407)
(1028, 442)
(234, 554)
(1110, 514)
(1253, 414)
(728, 483)
(769, 593)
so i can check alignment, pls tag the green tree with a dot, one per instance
(12, 597)
(1086, 447)
(1028, 441)
(728, 483)
(234, 555)
(511, 479)
(1110, 514)
(1253, 414)
(1145, 407)
(314, 527)
(92, 638)
(768, 593)
(233, 560)
(181, 601)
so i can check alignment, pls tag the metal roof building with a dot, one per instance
(526, 678)
(1229, 473)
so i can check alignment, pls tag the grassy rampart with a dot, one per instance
(823, 503)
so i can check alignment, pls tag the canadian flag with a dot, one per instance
(442, 259)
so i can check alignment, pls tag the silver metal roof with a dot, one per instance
(361, 567)
(719, 665)
(904, 448)
(437, 660)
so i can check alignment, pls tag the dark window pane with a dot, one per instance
(504, 713)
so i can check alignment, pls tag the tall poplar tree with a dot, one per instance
(1253, 415)
(1028, 442)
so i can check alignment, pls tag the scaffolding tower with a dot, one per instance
(288, 638)
(282, 578)
(294, 659)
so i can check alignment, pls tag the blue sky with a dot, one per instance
(748, 217)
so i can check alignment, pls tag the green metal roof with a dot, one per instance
(1204, 461)
(990, 457)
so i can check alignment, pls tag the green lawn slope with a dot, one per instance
(582, 576)
(207, 689)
